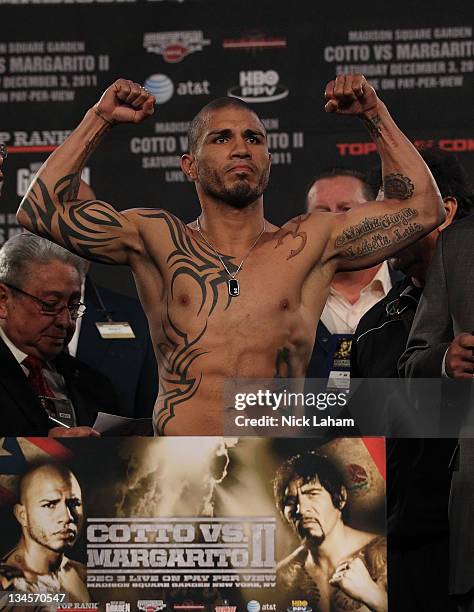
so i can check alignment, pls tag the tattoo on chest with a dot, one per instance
(192, 260)
(292, 229)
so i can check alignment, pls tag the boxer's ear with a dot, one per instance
(342, 497)
(19, 511)
(188, 166)
(450, 208)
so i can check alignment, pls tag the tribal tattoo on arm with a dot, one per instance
(89, 228)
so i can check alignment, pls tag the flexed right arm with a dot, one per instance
(90, 228)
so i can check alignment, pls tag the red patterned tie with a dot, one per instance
(35, 376)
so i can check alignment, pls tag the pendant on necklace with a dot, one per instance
(233, 287)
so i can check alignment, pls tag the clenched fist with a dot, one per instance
(350, 94)
(352, 577)
(125, 102)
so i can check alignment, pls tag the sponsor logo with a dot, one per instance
(163, 88)
(299, 605)
(175, 46)
(225, 607)
(73, 607)
(188, 606)
(259, 86)
(253, 606)
(254, 41)
(117, 606)
(150, 605)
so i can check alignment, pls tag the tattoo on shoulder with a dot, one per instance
(398, 187)
(373, 125)
(294, 232)
(84, 228)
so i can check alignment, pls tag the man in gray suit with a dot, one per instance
(441, 343)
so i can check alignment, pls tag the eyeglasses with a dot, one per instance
(3, 151)
(52, 309)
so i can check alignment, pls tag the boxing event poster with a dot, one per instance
(189, 523)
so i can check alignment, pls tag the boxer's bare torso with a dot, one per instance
(201, 334)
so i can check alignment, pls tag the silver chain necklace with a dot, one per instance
(233, 285)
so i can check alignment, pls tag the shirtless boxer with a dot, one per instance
(336, 566)
(50, 513)
(188, 276)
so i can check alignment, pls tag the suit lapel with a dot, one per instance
(323, 337)
(74, 379)
(97, 349)
(16, 384)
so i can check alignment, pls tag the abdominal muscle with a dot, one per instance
(191, 400)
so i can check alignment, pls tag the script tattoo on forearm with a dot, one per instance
(398, 187)
(85, 227)
(373, 125)
(294, 233)
(368, 225)
(378, 241)
(373, 234)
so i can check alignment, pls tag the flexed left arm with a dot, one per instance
(412, 205)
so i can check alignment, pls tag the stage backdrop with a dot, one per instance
(57, 56)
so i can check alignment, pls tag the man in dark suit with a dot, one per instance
(441, 343)
(351, 294)
(44, 391)
(129, 361)
(417, 469)
(382, 333)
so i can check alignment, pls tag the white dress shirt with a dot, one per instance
(341, 317)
